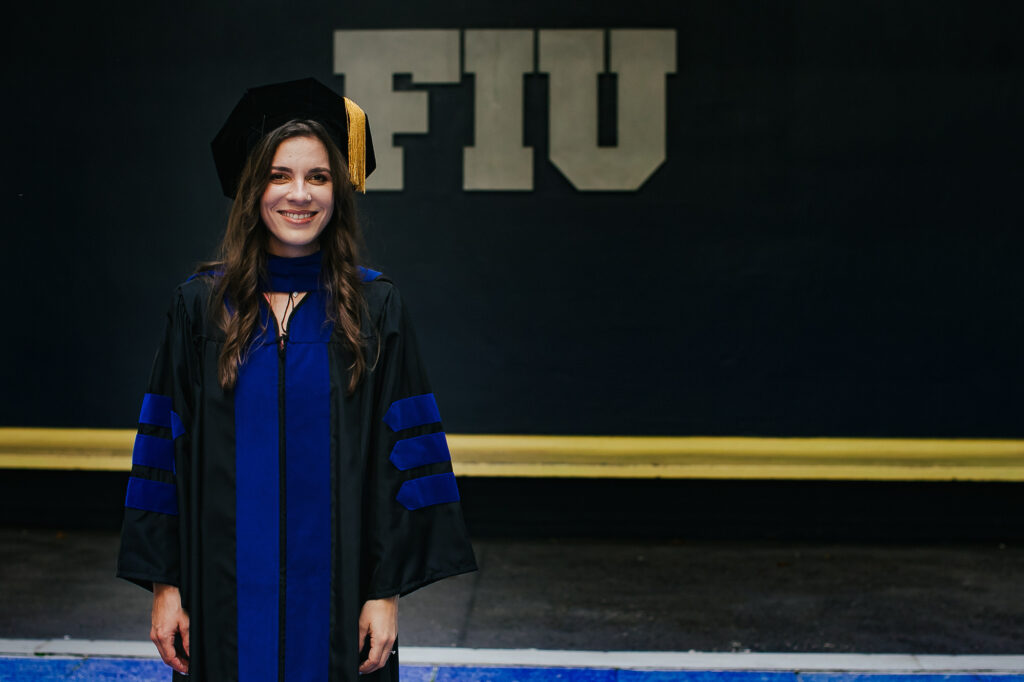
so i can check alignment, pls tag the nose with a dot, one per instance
(299, 193)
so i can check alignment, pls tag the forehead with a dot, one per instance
(307, 150)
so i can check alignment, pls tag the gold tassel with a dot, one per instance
(356, 144)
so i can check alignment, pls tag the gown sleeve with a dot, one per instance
(150, 536)
(414, 529)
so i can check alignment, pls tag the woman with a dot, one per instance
(290, 475)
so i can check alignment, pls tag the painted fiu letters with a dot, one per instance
(572, 59)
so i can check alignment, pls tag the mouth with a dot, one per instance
(298, 217)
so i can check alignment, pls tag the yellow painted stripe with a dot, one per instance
(614, 456)
(739, 458)
(85, 449)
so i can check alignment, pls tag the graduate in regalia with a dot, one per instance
(290, 476)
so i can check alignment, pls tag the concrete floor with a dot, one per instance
(595, 595)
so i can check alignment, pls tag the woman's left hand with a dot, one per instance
(379, 621)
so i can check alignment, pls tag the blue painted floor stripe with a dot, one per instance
(451, 674)
(48, 669)
(61, 669)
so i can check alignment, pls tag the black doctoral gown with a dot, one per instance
(278, 508)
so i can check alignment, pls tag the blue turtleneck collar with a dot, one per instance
(294, 274)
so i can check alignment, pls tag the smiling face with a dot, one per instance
(299, 199)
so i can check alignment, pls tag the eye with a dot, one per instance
(278, 178)
(319, 178)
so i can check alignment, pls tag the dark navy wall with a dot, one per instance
(833, 246)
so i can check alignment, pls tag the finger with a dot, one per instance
(363, 631)
(169, 656)
(385, 651)
(373, 661)
(162, 646)
(172, 659)
(181, 665)
(184, 637)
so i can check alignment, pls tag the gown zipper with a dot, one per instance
(282, 348)
(282, 343)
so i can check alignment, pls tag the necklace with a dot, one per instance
(285, 318)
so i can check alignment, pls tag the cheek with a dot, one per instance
(267, 202)
(327, 201)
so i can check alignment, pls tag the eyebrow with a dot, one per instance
(311, 170)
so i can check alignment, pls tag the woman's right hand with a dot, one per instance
(169, 619)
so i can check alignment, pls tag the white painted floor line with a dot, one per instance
(672, 660)
(77, 647)
(629, 660)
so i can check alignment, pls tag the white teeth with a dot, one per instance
(296, 216)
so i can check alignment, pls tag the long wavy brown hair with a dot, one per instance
(243, 257)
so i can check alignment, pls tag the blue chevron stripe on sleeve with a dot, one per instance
(415, 411)
(409, 453)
